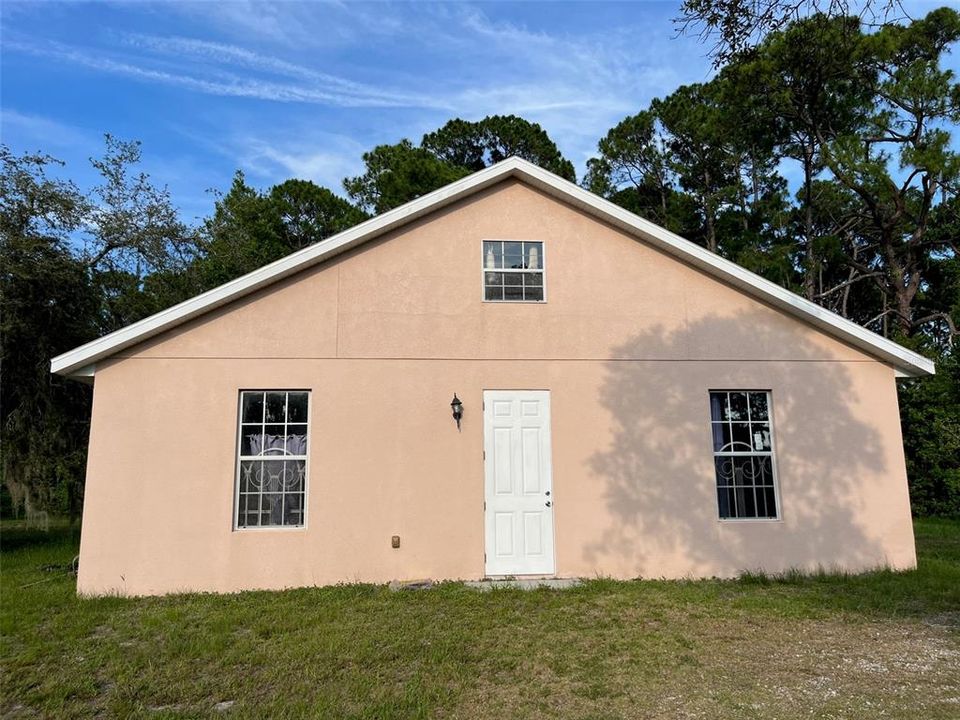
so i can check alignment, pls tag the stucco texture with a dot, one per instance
(629, 342)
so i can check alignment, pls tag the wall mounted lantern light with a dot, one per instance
(457, 408)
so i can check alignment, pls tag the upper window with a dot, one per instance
(272, 462)
(512, 271)
(743, 454)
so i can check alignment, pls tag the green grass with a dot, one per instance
(826, 645)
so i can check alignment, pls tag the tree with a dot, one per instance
(397, 174)
(695, 164)
(47, 305)
(914, 99)
(132, 224)
(475, 145)
(131, 231)
(940, 291)
(812, 88)
(693, 120)
(308, 213)
(249, 228)
(930, 416)
(634, 155)
(829, 229)
(241, 235)
(32, 204)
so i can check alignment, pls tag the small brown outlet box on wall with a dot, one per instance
(395, 541)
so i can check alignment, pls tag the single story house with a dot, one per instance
(507, 377)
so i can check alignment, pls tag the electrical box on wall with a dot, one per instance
(395, 541)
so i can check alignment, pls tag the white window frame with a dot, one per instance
(753, 453)
(239, 458)
(484, 269)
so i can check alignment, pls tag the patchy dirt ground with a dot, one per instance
(837, 668)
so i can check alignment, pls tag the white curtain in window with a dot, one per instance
(274, 444)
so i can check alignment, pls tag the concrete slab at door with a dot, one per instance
(518, 482)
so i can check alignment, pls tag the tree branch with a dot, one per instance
(846, 283)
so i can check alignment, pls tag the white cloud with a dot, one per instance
(234, 56)
(321, 92)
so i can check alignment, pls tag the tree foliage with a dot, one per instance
(249, 228)
(864, 118)
(930, 417)
(475, 145)
(396, 174)
(47, 306)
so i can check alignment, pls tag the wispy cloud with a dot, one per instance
(194, 50)
(302, 25)
(281, 22)
(321, 89)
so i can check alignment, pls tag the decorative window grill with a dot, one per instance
(743, 454)
(272, 460)
(513, 271)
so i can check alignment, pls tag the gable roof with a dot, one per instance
(81, 361)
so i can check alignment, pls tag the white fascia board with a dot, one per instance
(905, 361)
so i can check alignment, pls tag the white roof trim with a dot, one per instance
(906, 362)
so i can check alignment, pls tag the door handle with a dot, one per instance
(548, 503)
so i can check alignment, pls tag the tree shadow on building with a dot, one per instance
(657, 478)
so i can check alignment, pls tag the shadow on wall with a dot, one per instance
(658, 475)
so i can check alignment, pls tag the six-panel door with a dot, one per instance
(518, 482)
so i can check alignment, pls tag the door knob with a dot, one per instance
(548, 503)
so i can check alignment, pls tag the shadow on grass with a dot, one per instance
(14, 535)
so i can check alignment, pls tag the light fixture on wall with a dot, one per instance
(457, 408)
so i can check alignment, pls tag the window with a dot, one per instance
(272, 462)
(743, 454)
(513, 271)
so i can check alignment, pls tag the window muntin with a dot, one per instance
(743, 454)
(272, 458)
(513, 270)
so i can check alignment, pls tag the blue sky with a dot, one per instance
(303, 89)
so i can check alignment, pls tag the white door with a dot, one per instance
(518, 482)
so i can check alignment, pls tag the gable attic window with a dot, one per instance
(272, 458)
(743, 454)
(513, 271)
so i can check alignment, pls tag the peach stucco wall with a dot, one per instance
(629, 343)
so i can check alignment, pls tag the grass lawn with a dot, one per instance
(878, 645)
